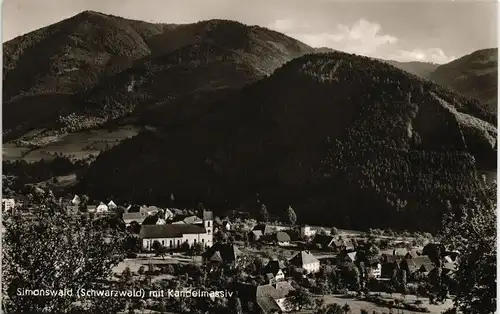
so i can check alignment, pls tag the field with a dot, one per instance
(77, 146)
(358, 305)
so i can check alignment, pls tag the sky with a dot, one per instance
(435, 31)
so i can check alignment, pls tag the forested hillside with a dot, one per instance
(59, 74)
(337, 135)
(475, 75)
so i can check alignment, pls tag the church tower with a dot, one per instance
(208, 223)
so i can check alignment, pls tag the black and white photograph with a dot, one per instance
(249, 156)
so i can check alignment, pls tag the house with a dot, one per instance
(450, 256)
(76, 200)
(91, 208)
(349, 257)
(112, 205)
(275, 277)
(309, 231)
(149, 210)
(324, 242)
(173, 235)
(168, 214)
(260, 230)
(134, 216)
(271, 298)
(222, 253)
(413, 253)
(102, 208)
(373, 269)
(349, 245)
(399, 252)
(264, 228)
(8, 204)
(389, 263)
(274, 270)
(226, 225)
(422, 264)
(306, 261)
(282, 238)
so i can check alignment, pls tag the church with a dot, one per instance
(174, 235)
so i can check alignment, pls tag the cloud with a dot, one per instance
(363, 37)
(435, 55)
(287, 26)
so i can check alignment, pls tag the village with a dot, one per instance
(278, 266)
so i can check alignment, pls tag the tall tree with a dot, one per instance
(472, 232)
(53, 251)
(299, 298)
(292, 217)
(264, 213)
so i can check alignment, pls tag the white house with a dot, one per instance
(8, 204)
(226, 225)
(306, 261)
(375, 270)
(112, 205)
(102, 208)
(76, 200)
(309, 231)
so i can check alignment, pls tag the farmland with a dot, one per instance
(36, 145)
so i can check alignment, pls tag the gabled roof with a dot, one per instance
(324, 240)
(149, 209)
(389, 258)
(111, 203)
(267, 294)
(169, 231)
(422, 263)
(257, 233)
(303, 258)
(273, 266)
(192, 220)
(352, 256)
(282, 237)
(265, 229)
(414, 253)
(129, 217)
(226, 253)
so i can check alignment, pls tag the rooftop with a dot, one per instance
(303, 258)
(169, 231)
